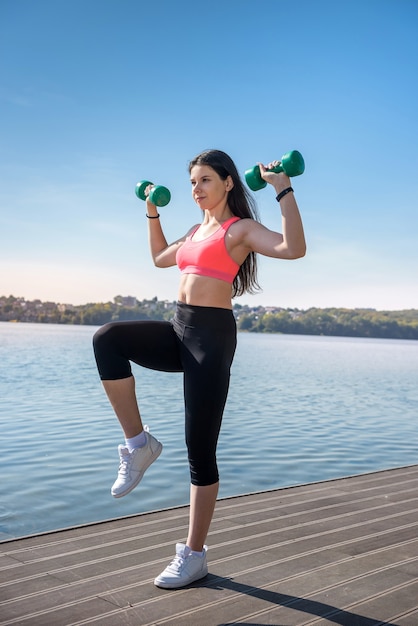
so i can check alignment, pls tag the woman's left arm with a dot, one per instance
(290, 244)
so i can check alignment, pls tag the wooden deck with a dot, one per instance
(335, 552)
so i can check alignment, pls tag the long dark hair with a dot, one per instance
(241, 204)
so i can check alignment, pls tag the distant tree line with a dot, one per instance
(121, 309)
(335, 322)
(314, 321)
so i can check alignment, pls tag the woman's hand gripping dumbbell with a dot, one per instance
(158, 195)
(291, 163)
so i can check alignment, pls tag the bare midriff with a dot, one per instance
(204, 291)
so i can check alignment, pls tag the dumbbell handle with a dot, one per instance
(159, 195)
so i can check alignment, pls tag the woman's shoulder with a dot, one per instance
(240, 230)
(243, 224)
(191, 231)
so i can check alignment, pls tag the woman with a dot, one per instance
(217, 262)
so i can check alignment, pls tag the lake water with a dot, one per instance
(300, 409)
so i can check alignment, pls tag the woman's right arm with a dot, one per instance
(162, 253)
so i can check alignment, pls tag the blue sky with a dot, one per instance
(96, 95)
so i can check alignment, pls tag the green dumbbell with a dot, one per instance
(160, 196)
(291, 163)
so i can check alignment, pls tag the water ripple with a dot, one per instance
(300, 409)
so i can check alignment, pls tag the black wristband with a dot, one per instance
(152, 217)
(283, 193)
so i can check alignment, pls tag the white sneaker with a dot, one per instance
(133, 464)
(185, 568)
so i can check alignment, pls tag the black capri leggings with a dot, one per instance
(198, 341)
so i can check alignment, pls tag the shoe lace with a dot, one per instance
(177, 563)
(125, 459)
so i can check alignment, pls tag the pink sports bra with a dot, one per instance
(208, 257)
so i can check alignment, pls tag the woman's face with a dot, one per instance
(208, 189)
